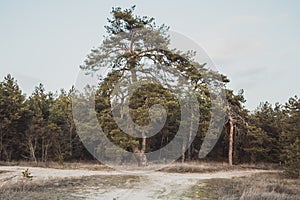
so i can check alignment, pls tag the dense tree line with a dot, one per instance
(41, 127)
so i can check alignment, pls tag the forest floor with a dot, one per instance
(83, 183)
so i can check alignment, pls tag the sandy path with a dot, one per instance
(153, 185)
(161, 185)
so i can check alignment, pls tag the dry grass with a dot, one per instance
(67, 188)
(176, 167)
(55, 165)
(264, 186)
(207, 167)
(267, 186)
(3, 172)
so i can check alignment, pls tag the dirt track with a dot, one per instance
(87, 184)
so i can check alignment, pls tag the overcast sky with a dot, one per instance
(255, 43)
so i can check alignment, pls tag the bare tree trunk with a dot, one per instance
(189, 158)
(140, 156)
(143, 141)
(43, 143)
(32, 150)
(161, 142)
(70, 139)
(230, 141)
(46, 153)
(190, 137)
(136, 153)
(71, 131)
(143, 155)
(230, 122)
(183, 150)
(1, 144)
(235, 153)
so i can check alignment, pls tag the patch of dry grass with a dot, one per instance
(176, 167)
(67, 188)
(267, 186)
(55, 165)
(1, 172)
(207, 167)
(262, 186)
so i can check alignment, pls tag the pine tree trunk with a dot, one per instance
(183, 150)
(71, 138)
(190, 137)
(143, 155)
(32, 150)
(1, 144)
(140, 155)
(143, 142)
(230, 141)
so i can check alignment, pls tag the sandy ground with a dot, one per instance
(149, 185)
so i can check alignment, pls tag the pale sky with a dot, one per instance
(255, 43)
